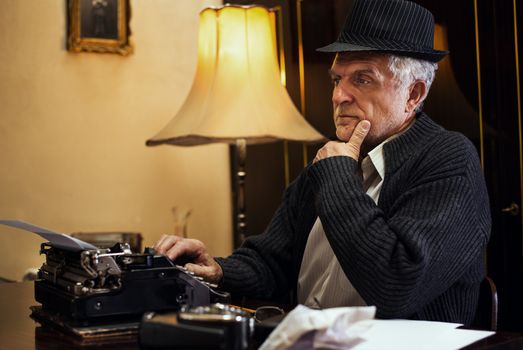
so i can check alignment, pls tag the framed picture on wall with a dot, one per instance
(98, 26)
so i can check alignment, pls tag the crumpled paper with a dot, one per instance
(334, 328)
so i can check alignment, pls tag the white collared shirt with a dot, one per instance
(322, 282)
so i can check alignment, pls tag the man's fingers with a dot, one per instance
(202, 264)
(209, 271)
(359, 134)
(165, 243)
(158, 245)
(183, 247)
(349, 149)
(174, 247)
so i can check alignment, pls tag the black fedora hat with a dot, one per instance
(394, 26)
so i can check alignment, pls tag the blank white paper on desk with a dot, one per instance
(417, 335)
(355, 328)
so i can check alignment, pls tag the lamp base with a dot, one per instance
(239, 156)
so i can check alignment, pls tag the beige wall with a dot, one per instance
(73, 128)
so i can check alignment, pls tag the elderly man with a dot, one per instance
(394, 213)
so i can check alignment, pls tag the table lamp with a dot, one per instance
(236, 96)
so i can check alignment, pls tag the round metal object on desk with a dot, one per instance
(238, 325)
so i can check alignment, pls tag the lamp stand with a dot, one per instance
(241, 222)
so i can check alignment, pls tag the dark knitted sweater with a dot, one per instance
(417, 254)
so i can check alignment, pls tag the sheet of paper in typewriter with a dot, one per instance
(56, 239)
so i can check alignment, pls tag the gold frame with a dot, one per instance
(78, 43)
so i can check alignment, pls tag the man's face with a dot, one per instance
(365, 88)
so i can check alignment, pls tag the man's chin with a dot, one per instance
(343, 135)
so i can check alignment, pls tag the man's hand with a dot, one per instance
(349, 149)
(203, 264)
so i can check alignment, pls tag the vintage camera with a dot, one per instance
(216, 326)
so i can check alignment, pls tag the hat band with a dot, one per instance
(383, 43)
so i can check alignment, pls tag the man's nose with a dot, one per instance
(340, 94)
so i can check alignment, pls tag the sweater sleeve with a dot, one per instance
(265, 266)
(434, 231)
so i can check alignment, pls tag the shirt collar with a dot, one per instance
(375, 161)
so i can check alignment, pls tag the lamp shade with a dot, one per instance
(236, 92)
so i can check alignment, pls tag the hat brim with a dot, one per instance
(428, 55)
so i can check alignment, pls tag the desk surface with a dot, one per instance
(19, 331)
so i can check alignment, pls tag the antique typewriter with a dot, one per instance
(105, 286)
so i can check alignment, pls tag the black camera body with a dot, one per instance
(216, 326)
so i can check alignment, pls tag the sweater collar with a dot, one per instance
(398, 150)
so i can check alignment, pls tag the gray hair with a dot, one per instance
(407, 70)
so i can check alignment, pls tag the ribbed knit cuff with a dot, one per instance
(334, 170)
(235, 279)
(222, 262)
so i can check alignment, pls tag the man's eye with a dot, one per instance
(362, 81)
(335, 81)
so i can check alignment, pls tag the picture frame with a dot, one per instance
(99, 26)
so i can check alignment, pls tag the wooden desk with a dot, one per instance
(19, 331)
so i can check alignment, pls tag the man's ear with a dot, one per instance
(417, 92)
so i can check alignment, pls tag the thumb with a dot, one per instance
(355, 141)
(210, 273)
(198, 270)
